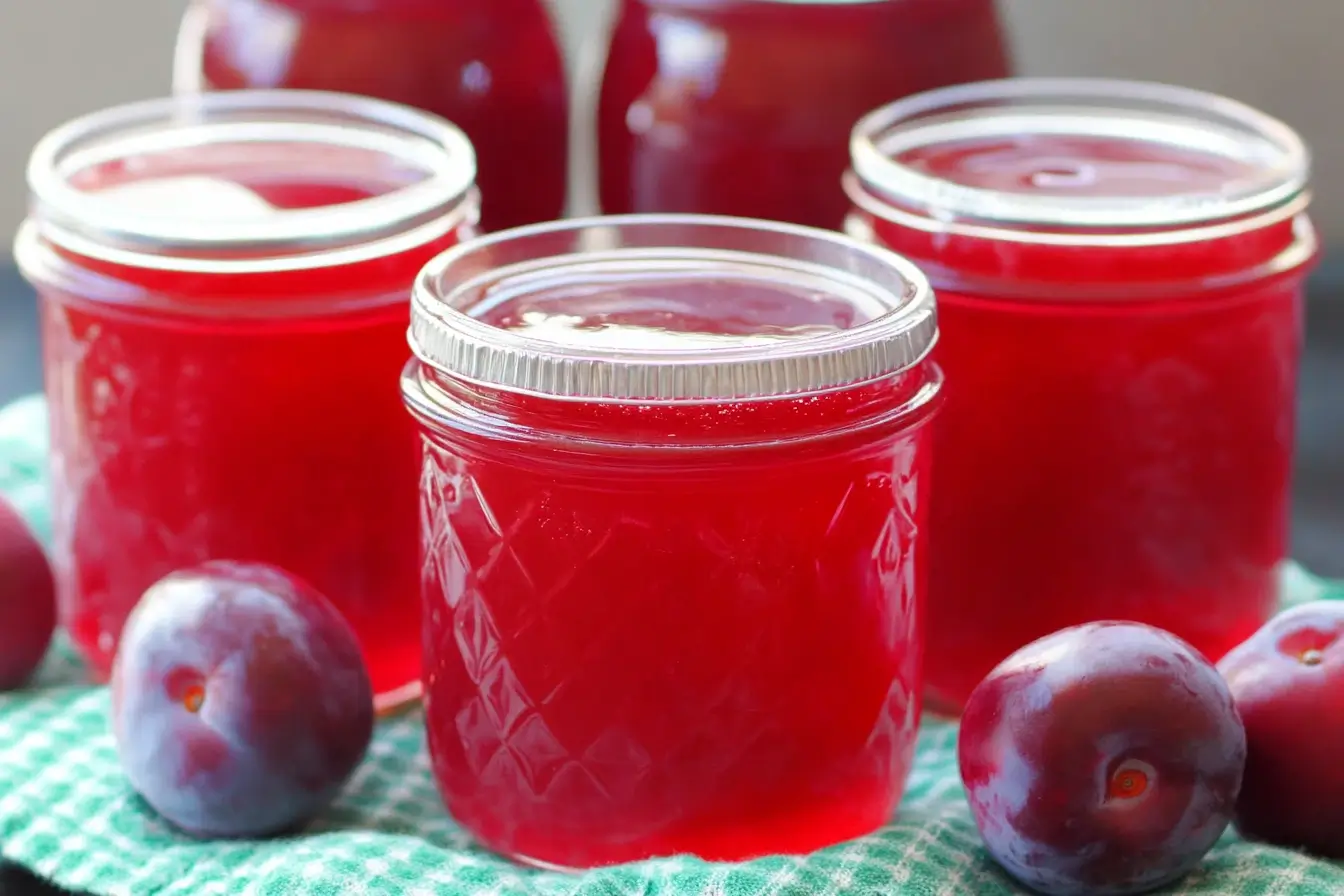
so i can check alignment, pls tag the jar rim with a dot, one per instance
(1129, 110)
(445, 335)
(303, 237)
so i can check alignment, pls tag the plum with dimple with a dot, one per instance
(1103, 759)
(240, 700)
(1288, 681)
(27, 600)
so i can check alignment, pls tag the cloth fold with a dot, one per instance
(67, 813)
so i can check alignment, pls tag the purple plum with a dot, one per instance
(1104, 759)
(240, 700)
(1288, 681)
(27, 601)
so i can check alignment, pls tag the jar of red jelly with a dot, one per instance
(673, 502)
(224, 287)
(493, 67)
(1120, 271)
(744, 107)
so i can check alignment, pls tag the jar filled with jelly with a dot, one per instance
(1120, 272)
(744, 107)
(673, 519)
(224, 285)
(492, 67)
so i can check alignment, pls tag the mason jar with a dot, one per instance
(1120, 273)
(673, 517)
(224, 286)
(492, 67)
(744, 107)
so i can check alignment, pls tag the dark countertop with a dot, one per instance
(1318, 513)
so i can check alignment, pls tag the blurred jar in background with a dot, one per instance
(744, 107)
(492, 67)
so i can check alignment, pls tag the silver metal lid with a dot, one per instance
(279, 131)
(1272, 160)
(894, 321)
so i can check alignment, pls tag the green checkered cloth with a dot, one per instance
(67, 813)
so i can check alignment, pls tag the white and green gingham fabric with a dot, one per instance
(67, 813)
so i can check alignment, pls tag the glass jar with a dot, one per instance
(744, 107)
(1120, 271)
(492, 67)
(673, 519)
(224, 287)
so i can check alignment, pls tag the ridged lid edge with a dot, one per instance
(461, 346)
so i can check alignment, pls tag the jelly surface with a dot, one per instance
(215, 198)
(678, 311)
(492, 67)
(745, 108)
(234, 416)
(1075, 165)
(696, 631)
(1117, 435)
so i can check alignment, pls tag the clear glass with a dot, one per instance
(224, 286)
(1120, 270)
(493, 67)
(688, 624)
(743, 107)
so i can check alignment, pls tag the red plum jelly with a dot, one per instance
(492, 67)
(744, 107)
(673, 514)
(1119, 268)
(224, 285)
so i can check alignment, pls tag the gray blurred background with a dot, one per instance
(65, 57)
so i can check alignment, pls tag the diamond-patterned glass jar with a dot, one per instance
(673, 499)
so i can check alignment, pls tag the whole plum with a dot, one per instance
(1102, 759)
(27, 600)
(240, 700)
(1288, 681)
